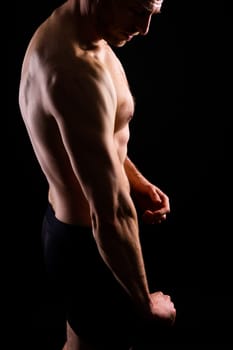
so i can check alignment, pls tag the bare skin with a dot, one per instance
(76, 104)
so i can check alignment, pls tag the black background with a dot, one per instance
(180, 75)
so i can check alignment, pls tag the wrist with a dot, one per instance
(145, 309)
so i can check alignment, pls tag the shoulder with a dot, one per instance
(83, 75)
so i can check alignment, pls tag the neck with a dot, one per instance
(84, 7)
(83, 14)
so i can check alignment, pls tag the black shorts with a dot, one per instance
(96, 306)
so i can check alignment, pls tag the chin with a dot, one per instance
(114, 40)
(117, 42)
(120, 43)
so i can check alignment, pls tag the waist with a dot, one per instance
(53, 220)
(70, 209)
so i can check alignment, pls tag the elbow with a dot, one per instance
(115, 220)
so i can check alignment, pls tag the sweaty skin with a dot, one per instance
(76, 105)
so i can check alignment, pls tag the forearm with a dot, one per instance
(134, 176)
(119, 245)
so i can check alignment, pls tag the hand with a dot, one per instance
(153, 203)
(163, 308)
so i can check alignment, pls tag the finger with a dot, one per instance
(164, 199)
(155, 195)
(154, 217)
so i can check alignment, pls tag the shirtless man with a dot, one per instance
(76, 105)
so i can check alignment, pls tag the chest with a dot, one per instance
(125, 101)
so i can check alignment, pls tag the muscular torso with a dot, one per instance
(65, 193)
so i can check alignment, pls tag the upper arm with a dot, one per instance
(83, 103)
